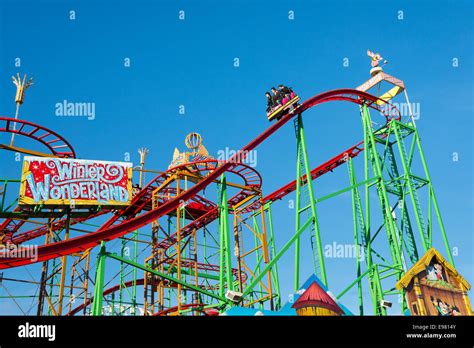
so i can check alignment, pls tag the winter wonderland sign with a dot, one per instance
(57, 181)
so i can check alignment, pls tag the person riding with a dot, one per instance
(276, 96)
(270, 104)
(286, 93)
(279, 97)
(284, 90)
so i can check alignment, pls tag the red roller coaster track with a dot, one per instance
(58, 146)
(111, 231)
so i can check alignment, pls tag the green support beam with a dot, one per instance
(99, 281)
(167, 277)
(303, 165)
(277, 257)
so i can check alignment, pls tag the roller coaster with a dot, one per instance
(175, 251)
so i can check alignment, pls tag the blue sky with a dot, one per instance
(191, 63)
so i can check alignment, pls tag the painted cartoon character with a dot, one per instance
(443, 308)
(431, 273)
(376, 58)
(438, 271)
(455, 311)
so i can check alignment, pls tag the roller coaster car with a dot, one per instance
(279, 111)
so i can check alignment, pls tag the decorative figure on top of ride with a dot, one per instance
(21, 87)
(375, 62)
(198, 152)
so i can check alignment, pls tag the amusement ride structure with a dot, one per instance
(199, 238)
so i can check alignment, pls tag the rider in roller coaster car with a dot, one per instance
(270, 104)
(286, 93)
(279, 98)
(276, 97)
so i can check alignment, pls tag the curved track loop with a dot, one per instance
(58, 146)
(42, 230)
(106, 292)
(110, 231)
(10, 226)
(143, 200)
(320, 170)
(198, 208)
(139, 282)
(175, 308)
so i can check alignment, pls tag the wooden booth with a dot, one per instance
(434, 287)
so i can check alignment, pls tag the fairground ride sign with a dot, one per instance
(57, 181)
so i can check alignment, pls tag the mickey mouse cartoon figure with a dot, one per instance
(376, 58)
(375, 62)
